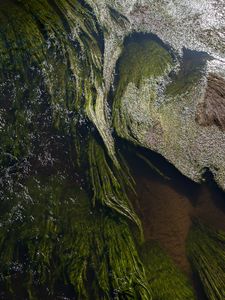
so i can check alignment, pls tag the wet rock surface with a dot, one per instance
(170, 113)
(176, 123)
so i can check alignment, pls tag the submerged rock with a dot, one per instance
(180, 114)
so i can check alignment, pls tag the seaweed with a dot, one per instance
(166, 281)
(52, 233)
(206, 250)
(109, 182)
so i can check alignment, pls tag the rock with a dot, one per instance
(212, 110)
(179, 114)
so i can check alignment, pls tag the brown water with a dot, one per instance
(167, 208)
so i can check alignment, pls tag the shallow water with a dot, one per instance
(168, 206)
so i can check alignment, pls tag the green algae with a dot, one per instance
(109, 182)
(148, 59)
(41, 48)
(61, 236)
(206, 250)
(139, 62)
(165, 280)
(51, 70)
(51, 231)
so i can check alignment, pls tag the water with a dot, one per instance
(165, 204)
(168, 205)
(50, 226)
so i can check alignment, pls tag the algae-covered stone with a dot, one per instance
(182, 25)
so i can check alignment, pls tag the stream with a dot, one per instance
(89, 208)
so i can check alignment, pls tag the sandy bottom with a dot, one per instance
(165, 215)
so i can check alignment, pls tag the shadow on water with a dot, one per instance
(140, 37)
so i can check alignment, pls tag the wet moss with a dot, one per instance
(206, 250)
(165, 280)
